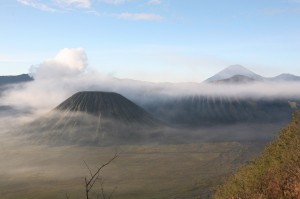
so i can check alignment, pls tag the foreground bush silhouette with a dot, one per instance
(275, 174)
(95, 177)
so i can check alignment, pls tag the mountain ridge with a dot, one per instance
(13, 79)
(236, 79)
(229, 74)
(234, 70)
(286, 77)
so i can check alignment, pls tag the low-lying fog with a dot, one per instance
(58, 78)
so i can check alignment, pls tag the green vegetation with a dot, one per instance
(275, 174)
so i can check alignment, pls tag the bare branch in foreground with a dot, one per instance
(89, 182)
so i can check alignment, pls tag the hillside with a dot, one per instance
(4, 80)
(237, 79)
(199, 111)
(108, 106)
(274, 174)
(286, 77)
(94, 118)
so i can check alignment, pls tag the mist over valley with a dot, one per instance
(149, 99)
(50, 126)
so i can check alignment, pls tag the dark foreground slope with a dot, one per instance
(275, 174)
(98, 118)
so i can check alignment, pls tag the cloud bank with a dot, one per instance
(114, 2)
(55, 79)
(77, 3)
(67, 72)
(37, 5)
(155, 2)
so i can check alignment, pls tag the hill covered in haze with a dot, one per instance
(97, 118)
(106, 106)
(199, 111)
(4, 80)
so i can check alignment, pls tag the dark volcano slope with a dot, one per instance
(96, 118)
(199, 111)
(109, 106)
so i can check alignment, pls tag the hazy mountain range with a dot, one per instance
(104, 118)
(231, 74)
(240, 74)
(5, 80)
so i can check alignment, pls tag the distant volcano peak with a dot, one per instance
(286, 77)
(236, 67)
(232, 71)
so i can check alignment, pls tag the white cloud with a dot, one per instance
(77, 3)
(55, 80)
(68, 61)
(37, 5)
(56, 5)
(115, 2)
(140, 16)
(66, 73)
(155, 2)
(63, 5)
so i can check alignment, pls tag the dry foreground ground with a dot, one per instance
(163, 171)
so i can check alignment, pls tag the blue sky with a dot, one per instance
(154, 40)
